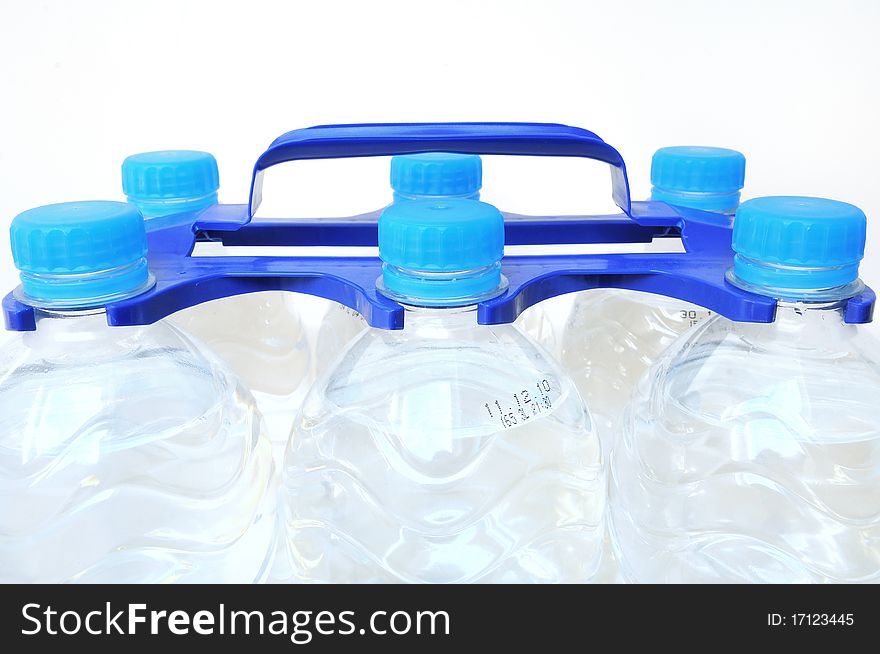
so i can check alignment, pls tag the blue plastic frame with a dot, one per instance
(695, 275)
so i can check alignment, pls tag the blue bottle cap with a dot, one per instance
(798, 243)
(79, 254)
(698, 177)
(170, 181)
(436, 174)
(441, 252)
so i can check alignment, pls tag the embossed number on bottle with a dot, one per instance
(692, 317)
(521, 406)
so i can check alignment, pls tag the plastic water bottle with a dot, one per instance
(435, 175)
(612, 336)
(275, 341)
(331, 326)
(751, 452)
(126, 453)
(447, 451)
(431, 175)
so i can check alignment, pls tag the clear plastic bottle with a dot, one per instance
(751, 452)
(426, 176)
(127, 454)
(612, 336)
(277, 342)
(607, 338)
(447, 451)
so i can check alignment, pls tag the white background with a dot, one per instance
(793, 85)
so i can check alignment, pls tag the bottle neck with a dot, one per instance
(151, 209)
(799, 285)
(441, 289)
(723, 203)
(789, 309)
(813, 321)
(799, 328)
(439, 322)
(69, 332)
(403, 197)
(52, 320)
(72, 291)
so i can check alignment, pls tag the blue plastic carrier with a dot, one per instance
(696, 275)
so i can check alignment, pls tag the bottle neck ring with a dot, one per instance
(405, 197)
(84, 290)
(725, 203)
(818, 284)
(158, 208)
(441, 289)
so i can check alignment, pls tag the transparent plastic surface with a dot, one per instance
(608, 337)
(277, 342)
(128, 455)
(611, 338)
(445, 452)
(545, 321)
(751, 453)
